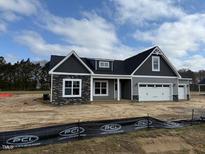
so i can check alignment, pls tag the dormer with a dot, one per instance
(103, 65)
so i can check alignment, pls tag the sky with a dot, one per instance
(114, 29)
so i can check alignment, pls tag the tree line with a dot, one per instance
(23, 75)
(27, 75)
(195, 76)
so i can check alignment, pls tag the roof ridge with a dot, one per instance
(152, 48)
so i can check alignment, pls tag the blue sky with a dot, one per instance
(36, 29)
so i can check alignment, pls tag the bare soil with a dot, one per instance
(187, 140)
(23, 111)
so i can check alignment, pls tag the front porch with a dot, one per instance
(110, 88)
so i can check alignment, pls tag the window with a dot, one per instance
(155, 63)
(104, 64)
(101, 88)
(143, 85)
(72, 87)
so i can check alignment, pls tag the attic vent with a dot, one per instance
(157, 52)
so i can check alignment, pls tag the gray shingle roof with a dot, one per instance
(202, 81)
(120, 67)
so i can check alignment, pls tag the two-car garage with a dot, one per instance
(160, 92)
(155, 92)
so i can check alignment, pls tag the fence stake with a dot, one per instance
(78, 129)
(147, 120)
(192, 117)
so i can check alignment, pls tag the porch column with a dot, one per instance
(91, 88)
(51, 96)
(118, 89)
(199, 89)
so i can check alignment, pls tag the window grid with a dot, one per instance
(71, 87)
(101, 88)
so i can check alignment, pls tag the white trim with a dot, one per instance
(185, 78)
(64, 73)
(158, 61)
(80, 86)
(71, 53)
(149, 76)
(114, 89)
(131, 88)
(51, 97)
(111, 75)
(166, 59)
(101, 64)
(118, 89)
(107, 87)
(91, 88)
(169, 63)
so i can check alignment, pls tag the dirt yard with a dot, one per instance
(187, 140)
(29, 111)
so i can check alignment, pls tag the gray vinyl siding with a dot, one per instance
(72, 65)
(110, 90)
(146, 68)
(137, 80)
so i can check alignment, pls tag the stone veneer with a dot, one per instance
(57, 98)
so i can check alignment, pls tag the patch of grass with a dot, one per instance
(123, 143)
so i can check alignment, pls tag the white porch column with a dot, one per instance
(118, 89)
(91, 88)
(51, 96)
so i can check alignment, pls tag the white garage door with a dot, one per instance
(155, 92)
(182, 92)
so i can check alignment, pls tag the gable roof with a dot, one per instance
(133, 62)
(59, 62)
(120, 67)
(202, 81)
(158, 51)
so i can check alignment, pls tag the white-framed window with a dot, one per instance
(156, 63)
(72, 87)
(100, 88)
(104, 64)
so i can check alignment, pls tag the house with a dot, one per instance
(201, 86)
(147, 76)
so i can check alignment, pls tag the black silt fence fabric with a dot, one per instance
(83, 130)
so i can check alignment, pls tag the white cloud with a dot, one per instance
(90, 35)
(195, 63)
(11, 58)
(23, 7)
(141, 11)
(177, 38)
(12, 10)
(2, 27)
(38, 45)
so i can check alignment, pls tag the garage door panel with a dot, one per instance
(182, 93)
(154, 93)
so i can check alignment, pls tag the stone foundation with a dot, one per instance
(57, 98)
(136, 98)
(175, 98)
